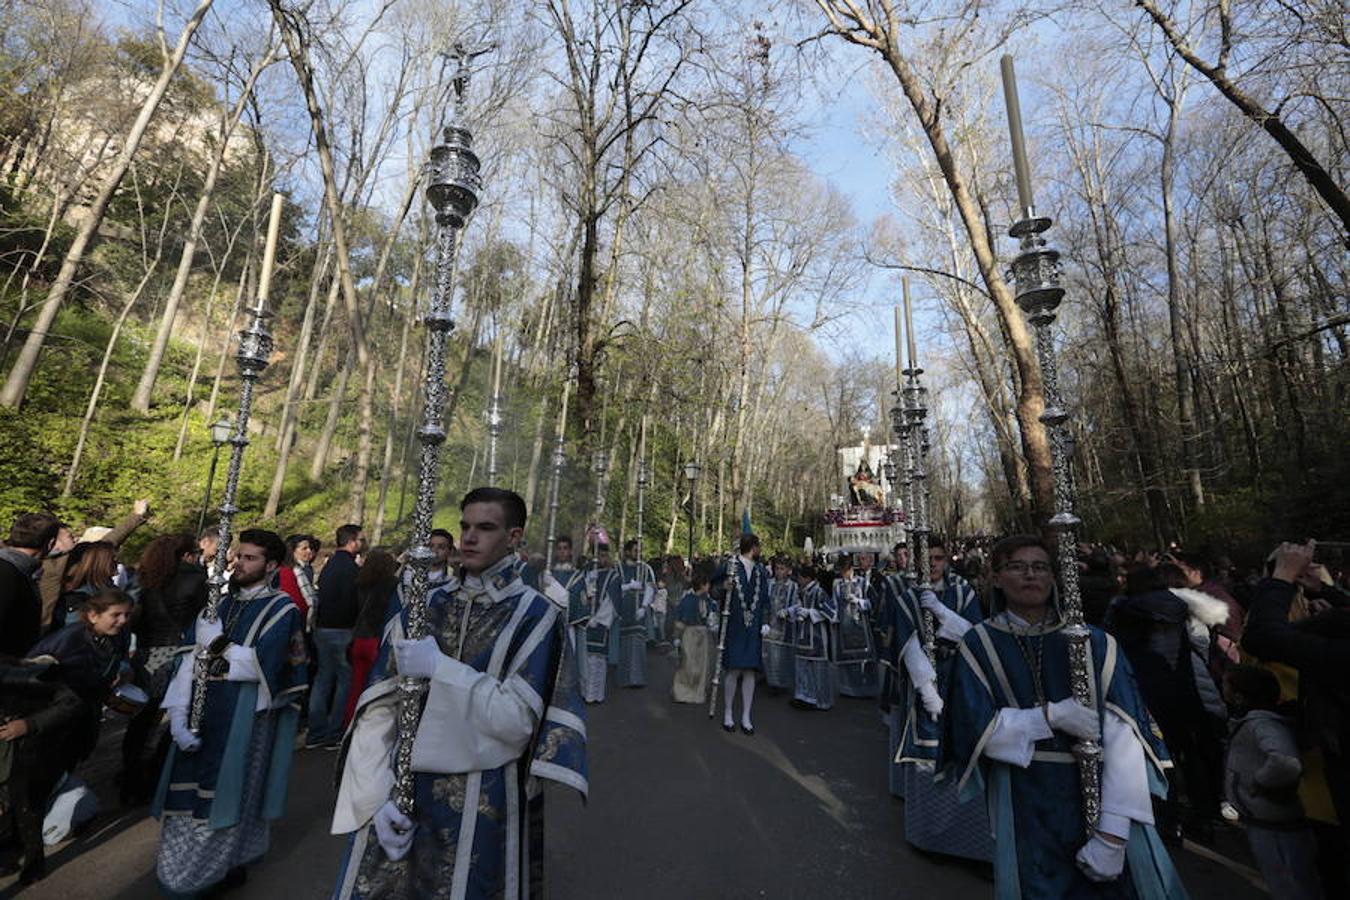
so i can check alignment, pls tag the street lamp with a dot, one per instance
(691, 470)
(220, 436)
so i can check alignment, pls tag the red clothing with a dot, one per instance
(291, 585)
(361, 654)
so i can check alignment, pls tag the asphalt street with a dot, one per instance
(678, 808)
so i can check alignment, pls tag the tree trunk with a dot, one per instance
(322, 448)
(140, 400)
(293, 34)
(1175, 314)
(201, 344)
(16, 385)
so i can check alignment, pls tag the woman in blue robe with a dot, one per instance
(1010, 726)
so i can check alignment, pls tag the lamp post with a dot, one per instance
(220, 436)
(691, 470)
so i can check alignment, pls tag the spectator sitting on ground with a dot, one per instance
(31, 538)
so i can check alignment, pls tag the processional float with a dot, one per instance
(255, 348)
(1036, 274)
(453, 183)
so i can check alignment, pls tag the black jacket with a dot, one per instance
(339, 604)
(1151, 629)
(20, 606)
(165, 612)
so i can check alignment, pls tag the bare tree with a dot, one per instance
(16, 384)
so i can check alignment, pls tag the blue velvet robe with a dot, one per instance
(488, 808)
(573, 581)
(920, 735)
(855, 654)
(693, 608)
(209, 783)
(747, 611)
(1036, 812)
(600, 638)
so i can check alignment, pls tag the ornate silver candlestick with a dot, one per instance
(255, 348)
(452, 188)
(916, 411)
(559, 459)
(1036, 274)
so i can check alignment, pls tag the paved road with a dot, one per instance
(678, 809)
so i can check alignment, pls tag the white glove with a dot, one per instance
(182, 736)
(633, 586)
(1101, 859)
(393, 829)
(242, 666)
(928, 696)
(677, 645)
(816, 615)
(951, 626)
(1072, 717)
(713, 622)
(764, 631)
(784, 613)
(208, 632)
(417, 659)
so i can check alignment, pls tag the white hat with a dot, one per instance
(94, 533)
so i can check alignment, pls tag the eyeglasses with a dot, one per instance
(1018, 567)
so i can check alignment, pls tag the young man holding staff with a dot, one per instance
(502, 706)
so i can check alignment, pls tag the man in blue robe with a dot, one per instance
(638, 585)
(855, 655)
(1010, 726)
(573, 581)
(222, 786)
(502, 709)
(745, 601)
(813, 676)
(896, 582)
(603, 595)
(935, 820)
